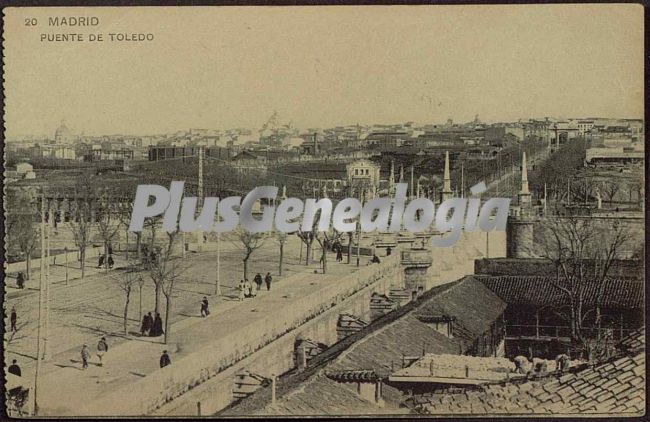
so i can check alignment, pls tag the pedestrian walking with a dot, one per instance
(164, 359)
(204, 307)
(339, 254)
(14, 319)
(20, 280)
(147, 323)
(242, 288)
(254, 290)
(375, 259)
(248, 288)
(102, 348)
(110, 261)
(258, 280)
(157, 328)
(15, 369)
(268, 279)
(101, 261)
(389, 251)
(85, 355)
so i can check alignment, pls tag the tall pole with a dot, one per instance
(200, 199)
(411, 181)
(462, 180)
(46, 351)
(359, 230)
(217, 288)
(65, 251)
(40, 307)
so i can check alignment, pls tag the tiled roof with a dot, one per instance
(353, 376)
(322, 396)
(634, 343)
(616, 386)
(386, 340)
(540, 291)
(473, 305)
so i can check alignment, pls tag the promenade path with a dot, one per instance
(84, 310)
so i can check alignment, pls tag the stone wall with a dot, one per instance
(544, 267)
(216, 362)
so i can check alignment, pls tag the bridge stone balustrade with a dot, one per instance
(212, 369)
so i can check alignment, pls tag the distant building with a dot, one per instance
(23, 168)
(585, 126)
(363, 172)
(63, 134)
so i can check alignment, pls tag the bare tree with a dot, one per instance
(306, 237)
(21, 225)
(108, 221)
(326, 240)
(127, 280)
(350, 235)
(124, 210)
(610, 189)
(249, 243)
(582, 253)
(582, 190)
(281, 238)
(80, 226)
(165, 270)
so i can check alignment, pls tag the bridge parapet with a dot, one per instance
(418, 258)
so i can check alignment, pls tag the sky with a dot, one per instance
(226, 67)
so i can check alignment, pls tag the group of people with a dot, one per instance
(102, 348)
(248, 289)
(102, 258)
(539, 366)
(151, 326)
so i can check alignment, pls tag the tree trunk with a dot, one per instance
(153, 234)
(281, 258)
(140, 306)
(106, 255)
(157, 303)
(308, 253)
(246, 268)
(28, 265)
(349, 247)
(126, 310)
(168, 308)
(82, 255)
(138, 241)
(324, 258)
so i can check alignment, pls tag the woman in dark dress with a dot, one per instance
(157, 329)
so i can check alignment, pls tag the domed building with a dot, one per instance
(63, 134)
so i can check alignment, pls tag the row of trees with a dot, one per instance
(583, 251)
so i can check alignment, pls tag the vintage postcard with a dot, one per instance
(315, 211)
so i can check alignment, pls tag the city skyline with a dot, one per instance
(318, 68)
